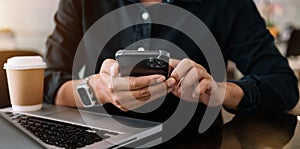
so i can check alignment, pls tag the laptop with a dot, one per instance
(62, 127)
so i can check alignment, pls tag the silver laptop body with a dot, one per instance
(129, 130)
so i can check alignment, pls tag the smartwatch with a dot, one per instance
(86, 94)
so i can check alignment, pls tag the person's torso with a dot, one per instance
(160, 37)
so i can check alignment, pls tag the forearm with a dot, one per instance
(67, 95)
(274, 92)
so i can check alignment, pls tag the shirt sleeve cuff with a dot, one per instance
(251, 98)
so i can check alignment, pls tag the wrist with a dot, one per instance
(92, 83)
(233, 96)
(65, 96)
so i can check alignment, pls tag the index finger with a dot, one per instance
(174, 62)
(135, 83)
(181, 69)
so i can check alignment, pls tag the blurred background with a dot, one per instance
(25, 25)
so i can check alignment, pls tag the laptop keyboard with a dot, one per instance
(60, 134)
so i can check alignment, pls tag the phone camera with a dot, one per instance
(156, 63)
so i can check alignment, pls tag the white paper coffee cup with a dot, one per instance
(25, 77)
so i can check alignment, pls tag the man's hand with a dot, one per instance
(127, 93)
(194, 83)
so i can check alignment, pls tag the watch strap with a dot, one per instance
(86, 93)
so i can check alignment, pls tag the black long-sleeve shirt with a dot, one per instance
(269, 84)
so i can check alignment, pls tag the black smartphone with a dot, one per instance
(141, 63)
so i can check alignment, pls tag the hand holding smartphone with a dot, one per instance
(141, 63)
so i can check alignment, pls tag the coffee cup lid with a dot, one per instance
(25, 62)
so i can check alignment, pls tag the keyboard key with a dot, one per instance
(15, 117)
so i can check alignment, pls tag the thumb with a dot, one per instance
(114, 71)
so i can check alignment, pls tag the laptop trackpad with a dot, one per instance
(76, 117)
(103, 121)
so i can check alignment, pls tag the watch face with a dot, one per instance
(84, 97)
